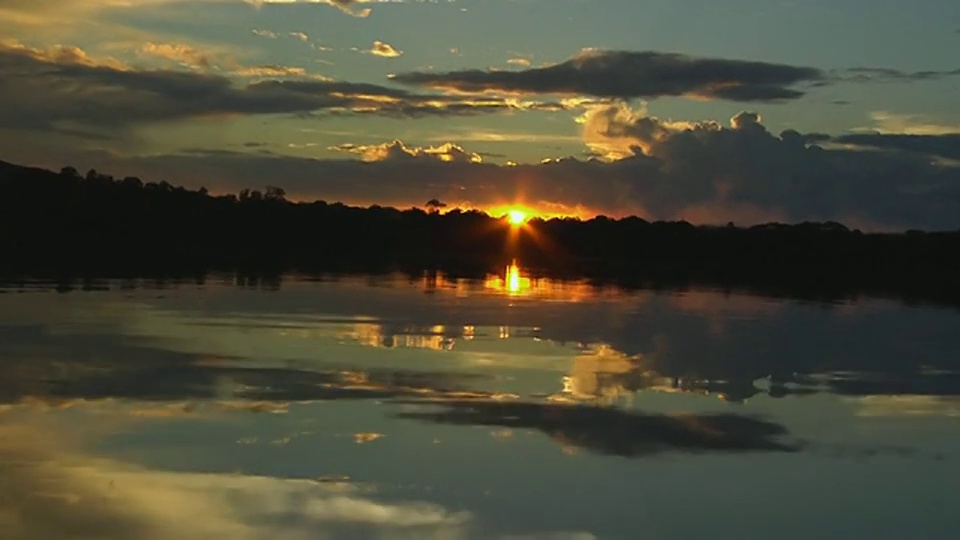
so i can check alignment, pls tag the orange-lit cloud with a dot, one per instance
(180, 53)
(65, 84)
(271, 71)
(385, 50)
(616, 131)
(397, 150)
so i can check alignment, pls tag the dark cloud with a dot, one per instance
(624, 74)
(41, 88)
(615, 432)
(652, 74)
(945, 146)
(870, 74)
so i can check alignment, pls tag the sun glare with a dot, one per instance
(517, 217)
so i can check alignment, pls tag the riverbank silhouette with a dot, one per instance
(65, 224)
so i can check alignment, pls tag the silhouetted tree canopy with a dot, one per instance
(434, 205)
(64, 222)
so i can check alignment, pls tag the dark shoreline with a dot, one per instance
(65, 227)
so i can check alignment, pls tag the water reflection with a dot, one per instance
(515, 281)
(55, 492)
(511, 282)
(611, 431)
(436, 337)
(229, 409)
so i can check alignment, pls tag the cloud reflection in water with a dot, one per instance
(617, 432)
(51, 494)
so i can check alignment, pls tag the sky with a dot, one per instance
(746, 111)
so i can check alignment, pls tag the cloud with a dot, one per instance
(41, 11)
(397, 150)
(907, 133)
(349, 6)
(271, 71)
(385, 50)
(191, 57)
(180, 53)
(945, 146)
(625, 74)
(658, 169)
(41, 88)
(507, 137)
(518, 61)
(872, 74)
(909, 124)
(617, 131)
(265, 34)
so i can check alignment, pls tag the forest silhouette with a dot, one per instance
(66, 224)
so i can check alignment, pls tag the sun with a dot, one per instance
(517, 217)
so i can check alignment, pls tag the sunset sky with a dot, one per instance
(744, 110)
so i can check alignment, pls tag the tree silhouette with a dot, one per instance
(64, 223)
(434, 206)
(275, 194)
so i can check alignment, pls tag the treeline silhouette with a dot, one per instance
(67, 224)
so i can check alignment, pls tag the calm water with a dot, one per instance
(390, 407)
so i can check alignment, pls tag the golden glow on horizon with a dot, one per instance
(516, 214)
(517, 217)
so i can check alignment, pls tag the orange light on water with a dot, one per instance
(515, 283)
(512, 282)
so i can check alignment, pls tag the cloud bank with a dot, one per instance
(702, 172)
(41, 87)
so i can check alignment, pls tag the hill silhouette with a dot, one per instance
(62, 224)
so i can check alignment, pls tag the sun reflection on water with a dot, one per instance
(512, 282)
(515, 283)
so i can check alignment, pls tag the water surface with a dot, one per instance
(433, 407)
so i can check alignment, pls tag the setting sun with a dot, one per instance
(517, 217)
